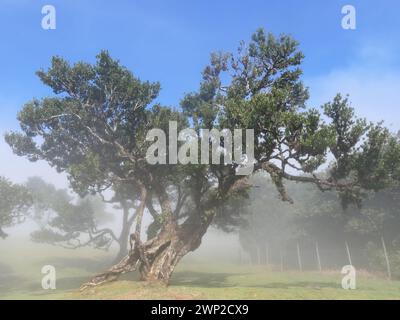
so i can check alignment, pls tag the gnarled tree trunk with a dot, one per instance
(157, 258)
(169, 247)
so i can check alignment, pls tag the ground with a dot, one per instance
(20, 278)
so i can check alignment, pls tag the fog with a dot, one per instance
(314, 234)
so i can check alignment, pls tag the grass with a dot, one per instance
(232, 282)
(21, 263)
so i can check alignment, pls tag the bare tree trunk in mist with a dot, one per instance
(318, 257)
(386, 258)
(348, 253)
(299, 257)
(123, 239)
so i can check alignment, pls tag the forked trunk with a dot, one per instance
(157, 258)
(171, 245)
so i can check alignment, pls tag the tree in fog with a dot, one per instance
(94, 128)
(15, 201)
(317, 217)
(268, 222)
(74, 224)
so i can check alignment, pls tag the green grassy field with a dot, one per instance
(20, 278)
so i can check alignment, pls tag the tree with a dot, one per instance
(267, 228)
(317, 217)
(123, 199)
(72, 225)
(95, 126)
(15, 201)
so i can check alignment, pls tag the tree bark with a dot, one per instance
(170, 246)
(157, 258)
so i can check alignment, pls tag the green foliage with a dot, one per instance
(94, 129)
(95, 124)
(15, 201)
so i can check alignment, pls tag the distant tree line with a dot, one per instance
(318, 219)
(64, 218)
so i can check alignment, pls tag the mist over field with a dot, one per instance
(253, 257)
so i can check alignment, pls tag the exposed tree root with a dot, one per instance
(127, 264)
(156, 258)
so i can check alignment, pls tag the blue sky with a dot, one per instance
(170, 41)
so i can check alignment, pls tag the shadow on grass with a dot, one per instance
(219, 280)
(73, 283)
(298, 284)
(12, 283)
(201, 279)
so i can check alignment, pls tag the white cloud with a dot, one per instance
(373, 90)
(18, 169)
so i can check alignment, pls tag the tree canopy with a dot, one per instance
(94, 128)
